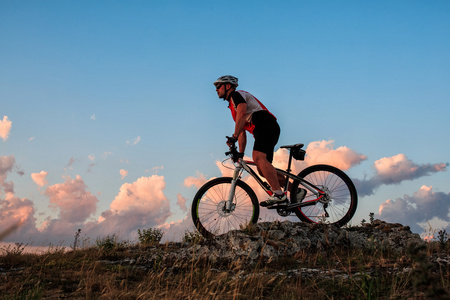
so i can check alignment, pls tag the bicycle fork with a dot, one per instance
(229, 203)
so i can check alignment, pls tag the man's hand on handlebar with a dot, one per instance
(231, 140)
(235, 155)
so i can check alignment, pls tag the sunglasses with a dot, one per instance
(218, 86)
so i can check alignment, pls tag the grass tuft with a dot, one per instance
(115, 269)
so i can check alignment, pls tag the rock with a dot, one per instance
(272, 240)
(269, 241)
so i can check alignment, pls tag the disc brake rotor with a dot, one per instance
(222, 211)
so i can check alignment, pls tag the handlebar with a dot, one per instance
(233, 153)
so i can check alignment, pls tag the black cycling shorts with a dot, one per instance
(266, 133)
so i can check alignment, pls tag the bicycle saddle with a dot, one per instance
(296, 146)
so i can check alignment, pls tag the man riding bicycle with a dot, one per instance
(252, 116)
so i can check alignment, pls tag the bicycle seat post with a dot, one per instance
(288, 170)
(289, 163)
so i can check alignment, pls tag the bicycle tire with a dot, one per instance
(208, 215)
(344, 197)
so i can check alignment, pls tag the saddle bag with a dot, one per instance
(298, 154)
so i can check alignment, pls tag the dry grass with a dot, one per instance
(94, 273)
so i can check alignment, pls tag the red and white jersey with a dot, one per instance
(253, 105)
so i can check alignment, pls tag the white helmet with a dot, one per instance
(226, 79)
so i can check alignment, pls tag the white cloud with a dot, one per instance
(5, 127)
(93, 117)
(135, 141)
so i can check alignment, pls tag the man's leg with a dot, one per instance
(267, 169)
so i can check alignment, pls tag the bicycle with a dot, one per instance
(228, 203)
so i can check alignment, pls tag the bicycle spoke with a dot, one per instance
(339, 203)
(210, 213)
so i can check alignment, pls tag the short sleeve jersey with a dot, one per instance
(253, 105)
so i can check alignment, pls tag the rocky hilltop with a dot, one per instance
(272, 260)
(270, 241)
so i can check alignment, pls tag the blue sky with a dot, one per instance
(89, 88)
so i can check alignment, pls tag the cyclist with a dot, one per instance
(251, 115)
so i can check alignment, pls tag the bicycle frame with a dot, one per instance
(246, 165)
(228, 203)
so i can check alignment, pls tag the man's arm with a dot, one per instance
(242, 141)
(239, 131)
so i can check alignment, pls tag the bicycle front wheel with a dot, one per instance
(341, 202)
(209, 211)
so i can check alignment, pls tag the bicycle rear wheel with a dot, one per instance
(342, 194)
(208, 208)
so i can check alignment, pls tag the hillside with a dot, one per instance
(272, 260)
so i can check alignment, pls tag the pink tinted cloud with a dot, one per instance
(424, 205)
(14, 210)
(5, 127)
(398, 168)
(39, 178)
(59, 231)
(195, 181)
(181, 202)
(145, 193)
(123, 173)
(394, 170)
(141, 204)
(69, 165)
(6, 166)
(322, 152)
(175, 231)
(75, 203)
(317, 152)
